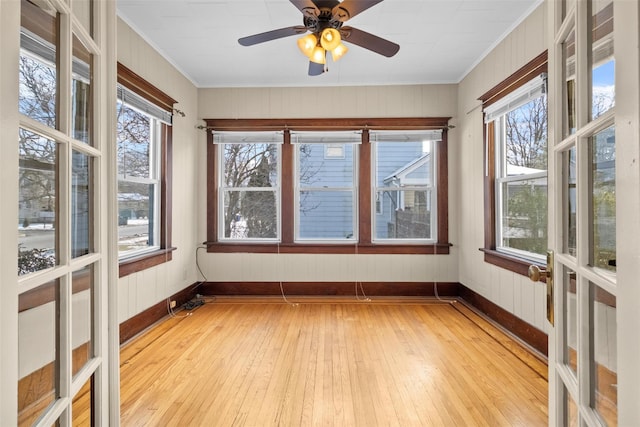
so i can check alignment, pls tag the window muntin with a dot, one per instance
(404, 191)
(249, 186)
(520, 138)
(138, 158)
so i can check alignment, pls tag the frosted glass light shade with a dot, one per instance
(318, 55)
(330, 38)
(338, 52)
(307, 44)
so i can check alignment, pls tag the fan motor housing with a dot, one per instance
(325, 19)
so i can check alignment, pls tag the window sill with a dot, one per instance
(143, 262)
(302, 248)
(509, 262)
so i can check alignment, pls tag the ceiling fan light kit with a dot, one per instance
(324, 19)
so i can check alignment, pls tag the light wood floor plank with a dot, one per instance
(334, 363)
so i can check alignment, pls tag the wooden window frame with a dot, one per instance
(364, 245)
(531, 70)
(140, 86)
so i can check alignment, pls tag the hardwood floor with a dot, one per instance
(325, 362)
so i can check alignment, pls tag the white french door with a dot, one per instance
(590, 198)
(59, 71)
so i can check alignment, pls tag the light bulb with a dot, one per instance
(307, 43)
(330, 38)
(338, 52)
(318, 55)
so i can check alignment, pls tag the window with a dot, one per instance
(404, 185)
(325, 185)
(144, 173)
(249, 185)
(516, 169)
(318, 188)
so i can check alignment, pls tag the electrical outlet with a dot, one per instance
(172, 304)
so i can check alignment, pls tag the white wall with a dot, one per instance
(328, 102)
(139, 291)
(515, 293)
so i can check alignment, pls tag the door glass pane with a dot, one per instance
(571, 410)
(570, 320)
(38, 352)
(81, 92)
(569, 65)
(602, 61)
(82, 318)
(81, 208)
(37, 70)
(37, 202)
(569, 167)
(602, 148)
(83, 405)
(82, 9)
(604, 396)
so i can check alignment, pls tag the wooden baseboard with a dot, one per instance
(394, 289)
(138, 323)
(518, 327)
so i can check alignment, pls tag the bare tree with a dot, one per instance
(526, 141)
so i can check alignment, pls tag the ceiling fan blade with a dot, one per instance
(315, 69)
(307, 7)
(272, 35)
(369, 41)
(350, 8)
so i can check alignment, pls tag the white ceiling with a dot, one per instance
(440, 40)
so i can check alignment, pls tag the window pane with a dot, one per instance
(250, 191)
(37, 202)
(38, 361)
(326, 215)
(81, 92)
(524, 215)
(525, 148)
(37, 69)
(82, 318)
(569, 64)
(320, 170)
(135, 148)
(250, 165)
(570, 201)
(602, 61)
(603, 199)
(604, 395)
(404, 194)
(81, 209)
(404, 214)
(137, 224)
(250, 215)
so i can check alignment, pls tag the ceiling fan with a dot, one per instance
(324, 20)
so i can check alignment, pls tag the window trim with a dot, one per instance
(522, 76)
(364, 245)
(140, 86)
